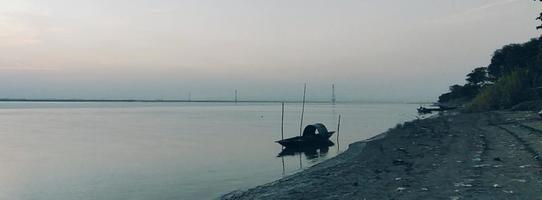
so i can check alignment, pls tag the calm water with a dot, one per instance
(66, 151)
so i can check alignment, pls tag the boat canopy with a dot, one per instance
(310, 130)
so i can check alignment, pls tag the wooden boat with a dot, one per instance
(313, 135)
(427, 110)
(424, 110)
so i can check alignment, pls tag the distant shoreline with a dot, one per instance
(133, 100)
(192, 101)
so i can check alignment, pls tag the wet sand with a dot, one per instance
(453, 156)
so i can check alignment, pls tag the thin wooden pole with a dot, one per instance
(283, 166)
(300, 162)
(338, 130)
(282, 122)
(302, 110)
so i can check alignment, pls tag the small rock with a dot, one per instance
(497, 185)
(497, 159)
(508, 191)
(355, 184)
(398, 178)
(482, 165)
(400, 189)
(461, 184)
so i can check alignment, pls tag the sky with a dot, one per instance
(372, 50)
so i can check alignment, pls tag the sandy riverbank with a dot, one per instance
(453, 156)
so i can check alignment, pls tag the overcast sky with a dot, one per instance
(372, 49)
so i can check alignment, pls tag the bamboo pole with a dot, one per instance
(338, 130)
(282, 122)
(302, 110)
(300, 162)
(283, 166)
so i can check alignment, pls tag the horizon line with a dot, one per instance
(196, 101)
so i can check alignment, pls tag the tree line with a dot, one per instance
(514, 75)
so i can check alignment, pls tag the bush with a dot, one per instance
(467, 91)
(506, 92)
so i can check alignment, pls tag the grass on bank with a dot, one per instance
(506, 92)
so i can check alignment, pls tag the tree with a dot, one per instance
(478, 77)
(513, 57)
(459, 92)
(456, 88)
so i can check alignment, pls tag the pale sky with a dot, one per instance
(371, 49)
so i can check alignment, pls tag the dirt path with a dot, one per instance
(454, 156)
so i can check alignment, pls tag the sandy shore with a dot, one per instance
(454, 156)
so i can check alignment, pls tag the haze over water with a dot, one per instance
(64, 151)
(148, 49)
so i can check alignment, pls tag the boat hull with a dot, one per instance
(307, 141)
(309, 151)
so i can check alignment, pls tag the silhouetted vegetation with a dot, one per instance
(514, 75)
(477, 79)
(504, 93)
(459, 92)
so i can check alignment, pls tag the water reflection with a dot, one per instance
(310, 152)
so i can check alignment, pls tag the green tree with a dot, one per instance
(515, 57)
(478, 77)
(456, 88)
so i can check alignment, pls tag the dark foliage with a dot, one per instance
(516, 57)
(478, 77)
(513, 67)
(467, 91)
(476, 80)
(513, 76)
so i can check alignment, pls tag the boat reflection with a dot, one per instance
(311, 151)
